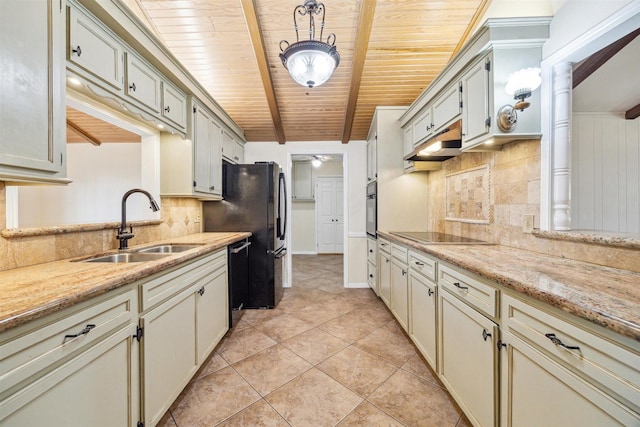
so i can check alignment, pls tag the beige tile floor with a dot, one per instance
(326, 356)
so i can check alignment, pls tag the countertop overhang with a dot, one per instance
(605, 296)
(32, 292)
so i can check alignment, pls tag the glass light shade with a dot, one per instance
(523, 82)
(310, 62)
(316, 163)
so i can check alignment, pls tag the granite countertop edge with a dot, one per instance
(609, 299)
(30, 293)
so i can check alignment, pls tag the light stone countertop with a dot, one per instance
(32, 292)
(606, 296)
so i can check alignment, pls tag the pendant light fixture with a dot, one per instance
(310, 62)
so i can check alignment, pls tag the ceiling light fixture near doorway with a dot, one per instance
(310, 62)
(316, 162)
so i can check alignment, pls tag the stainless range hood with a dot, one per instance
(442, 146)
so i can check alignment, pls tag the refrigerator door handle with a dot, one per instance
(282, 202)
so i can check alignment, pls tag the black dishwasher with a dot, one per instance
(238, 262)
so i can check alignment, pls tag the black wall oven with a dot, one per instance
(372, 209)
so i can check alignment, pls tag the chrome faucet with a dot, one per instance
(124, 235)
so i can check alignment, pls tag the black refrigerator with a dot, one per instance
(254, 199)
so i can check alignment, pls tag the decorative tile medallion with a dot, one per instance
(468, 196)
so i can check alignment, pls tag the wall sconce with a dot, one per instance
(519, 84)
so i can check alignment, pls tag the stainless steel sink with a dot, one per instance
(125, 257)
(170, 248)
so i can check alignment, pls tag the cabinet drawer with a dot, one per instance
(423, 264)
(475, 293)
(384, 245)
(372, 251)
(422, 127)
(174, 105)
(400, 253)
(167, 284)
(603, 361)
(371, 276)
(61, 335)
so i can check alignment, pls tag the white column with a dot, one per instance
(561, 151)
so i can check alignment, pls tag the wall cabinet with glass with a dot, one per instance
(302, 181)
(32, 124)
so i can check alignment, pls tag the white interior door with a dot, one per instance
(329, 214)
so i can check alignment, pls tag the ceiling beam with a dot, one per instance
(253, 25)
(83, 133)
(480, 11)
(595, 61)
(365, 22)
(633, 113)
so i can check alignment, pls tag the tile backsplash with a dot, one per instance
(179, 217)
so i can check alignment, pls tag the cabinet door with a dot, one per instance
(423, 321)
(476, 118)
(423, 126)
(168, 353)
(228, 147)
(372, 158)
(32, 122)
(239, 152)
(384, 277)
(174, 105)
(302, 181)
(372, 277)
(537, 391)
(468, 358)
(399, 292)
(212, 311)
(446, 107)
(201, 136)
(408, 144)
(143, 83)
(215, 159)
(94, 49)
(96, 388)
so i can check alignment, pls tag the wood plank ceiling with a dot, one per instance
(390, 51)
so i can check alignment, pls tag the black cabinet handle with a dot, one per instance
(429, 292)
(485, 334)
(201, 291)
(132, 86)
(370, 251)
(167, 109)
(404, 272)
(84, 331)
(77, 51)
(459, 286)
(419, 264)
(371, 276)
(557, 341)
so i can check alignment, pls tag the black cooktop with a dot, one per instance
(432, 238)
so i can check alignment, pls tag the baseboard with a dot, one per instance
(304, 253)
(358, 285)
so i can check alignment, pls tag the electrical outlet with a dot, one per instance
(527, 223)
(198, 218)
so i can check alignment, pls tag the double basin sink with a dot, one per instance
(150, 253)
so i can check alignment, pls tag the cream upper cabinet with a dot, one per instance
(468, 358)
(193, 167)
(447, 107)
(174, 105)
(232, 149)
(93, 48)
(476, 90)
(143, 83)
(302, 181)
(372, 160)
(32, 117)
(423, 126)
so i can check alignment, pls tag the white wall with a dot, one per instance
(355, 186)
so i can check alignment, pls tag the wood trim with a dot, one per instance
(480, 11)
(595, 61)
(255, 34)
(633, 113)
(365, 22)
(90, 138)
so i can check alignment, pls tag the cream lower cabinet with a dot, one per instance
(400, 285)
(537, 391)
(384, 271)
(468, 358)
(78, 367)
(180, 333)
(423, 320)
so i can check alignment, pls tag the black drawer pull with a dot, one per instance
(459, 286)
(371, 276)
(429, 292)
(84, 331)
(77, 51)
(201, 291)
(167, 109)
(132, 86)
(557, 341)
(485, 334)
(419, 264)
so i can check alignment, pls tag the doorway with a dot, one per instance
(305, 234)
